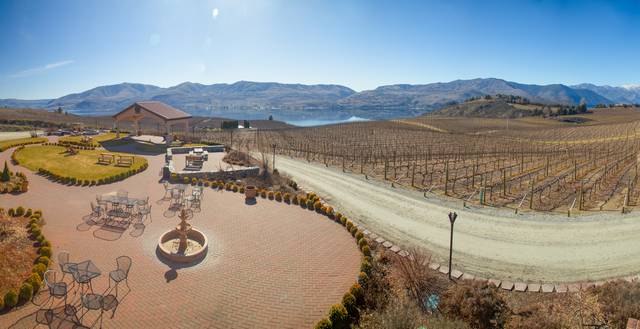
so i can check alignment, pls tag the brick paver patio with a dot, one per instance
(269, 265)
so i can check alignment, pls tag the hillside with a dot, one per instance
(257, 100)
(482, 108)
(619, 95)
(420, 98)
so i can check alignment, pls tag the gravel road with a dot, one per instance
(488, 242)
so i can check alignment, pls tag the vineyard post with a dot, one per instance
(504, 182)
(547, 167)
(531, 199)
(413, 175)
(386, 164)
(446, 178)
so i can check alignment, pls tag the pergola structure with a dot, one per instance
(157, 111)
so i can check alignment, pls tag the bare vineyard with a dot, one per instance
(557, 168)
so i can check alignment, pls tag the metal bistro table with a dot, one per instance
(117, 201)
(84, 272)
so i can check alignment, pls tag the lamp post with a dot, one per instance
(452, 220)
(274, 156)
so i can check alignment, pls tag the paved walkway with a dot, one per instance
(269, 265)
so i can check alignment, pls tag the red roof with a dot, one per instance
(160, 109)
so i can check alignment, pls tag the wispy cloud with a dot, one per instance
(215, 12)
(40, 69)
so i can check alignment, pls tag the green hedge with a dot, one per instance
(4, 145)
(62, 178)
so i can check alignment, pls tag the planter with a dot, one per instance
(250, 192)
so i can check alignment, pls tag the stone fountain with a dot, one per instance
(183, 244)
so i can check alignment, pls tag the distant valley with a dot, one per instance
(258, 100)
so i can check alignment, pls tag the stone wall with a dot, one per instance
(169, 167)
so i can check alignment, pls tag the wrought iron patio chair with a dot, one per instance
(92, 302)
(167, 191)
(65, 265)
(96, 211)
(144, 212)
(101, 201)
(121, 273)
(57, 289)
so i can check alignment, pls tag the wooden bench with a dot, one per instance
(72, 150)
(106, 158)
(125, 160)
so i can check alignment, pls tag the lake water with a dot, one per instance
(314, 122)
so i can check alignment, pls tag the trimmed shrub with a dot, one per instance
(263, 194)
(339, 317)
(26, 292)
(241, 189)
(349, 225)
(365, 266)
(324, 324)
(11, 212)
(40, 238)
(362, 242)
(353, 231)
(270, 195)
(45, 243)
(359, 236)
(363, 278)
(35, 281)
(366, 251)
(349, 303)
(45, 251)
(43, 260)
(286, 197)
(28, 213)
(310, 204)
(278, 196)
(235, 188)
(10, 299)
(35, 229)
(343, 221)
(357, 292)
(39, 269)
(317, 206)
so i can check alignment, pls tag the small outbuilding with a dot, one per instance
(160, 112)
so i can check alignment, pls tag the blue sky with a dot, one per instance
(52, 48)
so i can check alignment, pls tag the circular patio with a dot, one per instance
(268, 265)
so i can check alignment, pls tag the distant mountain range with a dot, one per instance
(256, 100)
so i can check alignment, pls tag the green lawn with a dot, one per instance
(20, 141)
(83, 165)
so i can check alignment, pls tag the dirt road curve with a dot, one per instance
(487, 242)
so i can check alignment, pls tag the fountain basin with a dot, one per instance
(197, 246)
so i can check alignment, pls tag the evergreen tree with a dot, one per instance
(5, 173)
